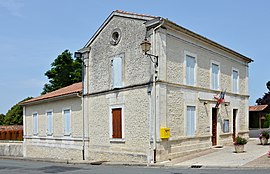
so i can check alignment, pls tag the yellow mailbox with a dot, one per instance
(165, 133)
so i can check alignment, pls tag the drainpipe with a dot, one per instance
(84, 55)
(155, 76)
(83, 146)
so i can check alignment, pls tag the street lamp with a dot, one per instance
(145, 46)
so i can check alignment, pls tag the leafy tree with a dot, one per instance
(2, 117)
(268, 85)
(265, 100)
(14, 115)
(64, 71)
(266, 123)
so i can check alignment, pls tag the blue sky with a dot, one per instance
(34, 32)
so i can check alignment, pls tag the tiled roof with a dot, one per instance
(74, 88)
(14, 127)
(257, 108)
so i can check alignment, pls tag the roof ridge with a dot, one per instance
(136, 14)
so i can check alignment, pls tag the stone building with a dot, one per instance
(53, 124)
(135, 108)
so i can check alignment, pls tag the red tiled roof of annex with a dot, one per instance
(74, 88)
(257, 108)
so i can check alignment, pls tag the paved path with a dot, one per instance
(225, 157)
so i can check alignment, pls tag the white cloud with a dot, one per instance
(13, 6)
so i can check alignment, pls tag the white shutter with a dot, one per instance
(190, 70)
(215, 72)
(35, 122)
(235, 81)
(67, 121)
(117, 72)
(190, 131)
(49, 123)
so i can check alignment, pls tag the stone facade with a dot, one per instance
(146, 97)
(145, 109)
(56, 145)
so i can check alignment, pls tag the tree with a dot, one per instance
(14, 115)
(2, 117)
(265, 100)
(64, 71)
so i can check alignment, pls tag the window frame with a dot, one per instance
(226, 126)
(69, 132)
(237, 81)
(35, 123)
(218, 75)
(189, 54)
(122, 139)
(193, 134)
(49, 132)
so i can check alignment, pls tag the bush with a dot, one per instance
(264, 135)
(240, 141)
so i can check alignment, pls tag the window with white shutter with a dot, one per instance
(235, 81)
(117, 72)
(215, 76)
(67, 121)
(49, 123)
(190, 70)
(35, 123)
(191, 121)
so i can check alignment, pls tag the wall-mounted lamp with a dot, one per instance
(78, 55)
(146, 46)
(205, 103)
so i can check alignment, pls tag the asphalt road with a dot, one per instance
(34, 167)
(254, 133)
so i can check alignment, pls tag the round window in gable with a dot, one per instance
(115, 36)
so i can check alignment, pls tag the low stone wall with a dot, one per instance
(9, 148)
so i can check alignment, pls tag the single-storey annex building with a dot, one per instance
(257, 116)
(187, 93)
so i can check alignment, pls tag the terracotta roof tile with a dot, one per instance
(257, 108)
(74, 88)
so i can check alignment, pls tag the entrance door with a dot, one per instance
(214, 126)
(234, 123)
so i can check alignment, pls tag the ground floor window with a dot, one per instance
(116, 123)
(191, 121)
(35, 123)
(67, 121)
(226, 126)
(49, 123)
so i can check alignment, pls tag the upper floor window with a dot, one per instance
(67, 121)
(117, 72)
(35, 123)
(215, 76)
(190, 70)
(235, 81)
(49, 123)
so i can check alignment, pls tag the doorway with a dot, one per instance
(234, 123)
(214, 126)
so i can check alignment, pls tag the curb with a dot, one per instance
(74, 162)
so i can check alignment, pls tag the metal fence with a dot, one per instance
(11, 132)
